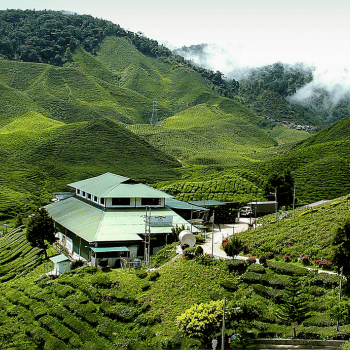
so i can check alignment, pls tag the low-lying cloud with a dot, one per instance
(236, 61)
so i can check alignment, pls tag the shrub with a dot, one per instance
(145, 286)
(200, 239)
(76, 263)
(204, 259)
(325, 280)
(229, 283)
(278, 281)
(323, 263)
(304, 259)
(320, 320)
(207, 315)
(236, 266)
(153, 275)
(91, 269)
(287, 269)
(141, 274)
(199, 250)
(164, 255)
(147, 320)
(286, 258)
(256, 268)
(269, 255)
(189, 253)
(316, 291)
(251, 261)
(251, 277)
(101, 280)
(263, 260)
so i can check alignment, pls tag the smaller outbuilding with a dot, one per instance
(61, 264)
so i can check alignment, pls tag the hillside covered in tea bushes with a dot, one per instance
(135, 309)
(81, 102)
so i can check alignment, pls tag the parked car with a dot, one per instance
(245, 211)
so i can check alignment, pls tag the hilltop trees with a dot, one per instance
(41, 230)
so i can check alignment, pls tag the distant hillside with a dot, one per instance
(269, 90)
(40, 156)
(320, 164)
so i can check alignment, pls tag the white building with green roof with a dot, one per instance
(105, 219)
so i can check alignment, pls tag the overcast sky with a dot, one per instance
(244, 33)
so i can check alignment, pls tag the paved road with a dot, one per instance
(219, 235)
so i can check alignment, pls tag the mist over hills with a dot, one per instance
(78, 95)
(320, 95)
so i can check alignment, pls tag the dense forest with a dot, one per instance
(51, 37)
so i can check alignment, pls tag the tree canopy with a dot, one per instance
(283, 184)
(41, 230)
(341, 246)
(294, 308)
(52, 36)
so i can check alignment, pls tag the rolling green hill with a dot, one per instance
(59, 123)
(67, 121)
(319, 164)
(40, 156)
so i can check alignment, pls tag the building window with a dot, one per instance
(83, 193)
(95, 199)
(120, 201)
(88, 196)
(151, 201)
(78, 191)
(102, 201)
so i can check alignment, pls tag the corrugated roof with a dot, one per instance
(109, 249)
(110, 185)
(95, 224)
(134, 191)
(209, 202)
(59, 258)
(176, 204)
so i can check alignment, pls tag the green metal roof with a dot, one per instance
(109, 249)
(95, 224)
(176, 204)
(59, 258)
(209, 202)
(110, 185)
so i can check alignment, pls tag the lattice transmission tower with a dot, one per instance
(154, 119)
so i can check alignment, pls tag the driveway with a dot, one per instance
(219, 235)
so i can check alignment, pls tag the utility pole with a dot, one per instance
(275, 194)
(147, 241)
(341, 278)
(294, 197)
(223, 326)
(212, 234)
(223, 323)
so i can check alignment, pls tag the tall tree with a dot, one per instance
(294, 308)
(41, 230)
(282, 184)
(341, 246)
